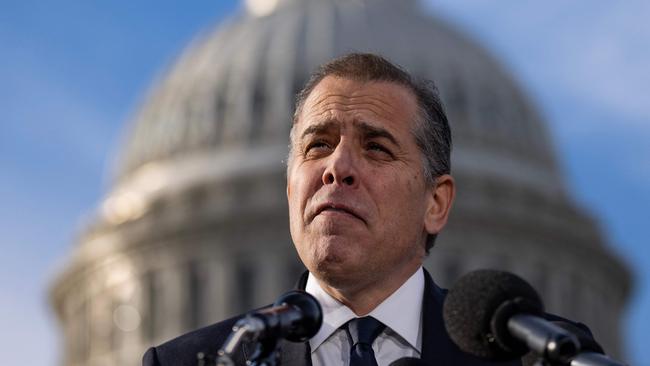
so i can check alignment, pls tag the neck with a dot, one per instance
(364, 298)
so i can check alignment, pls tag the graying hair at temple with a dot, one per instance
(431, 127)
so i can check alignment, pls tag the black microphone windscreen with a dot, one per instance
(408, 361)
(477, 308)
(311, 315)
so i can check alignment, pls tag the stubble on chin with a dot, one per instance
(329, 259)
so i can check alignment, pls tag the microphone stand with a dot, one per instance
(555, 345)
(265, 353)
(582, 359)
(295, 316)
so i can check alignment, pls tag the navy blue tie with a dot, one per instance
(362, 333)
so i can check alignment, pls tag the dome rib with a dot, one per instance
(235, 89)
(280, 74)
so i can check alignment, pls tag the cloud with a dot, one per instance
(607, 61)
(595, 52)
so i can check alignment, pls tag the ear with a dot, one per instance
(441, 197)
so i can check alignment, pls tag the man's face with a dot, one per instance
(359, 207)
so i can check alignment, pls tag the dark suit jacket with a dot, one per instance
(437, 347)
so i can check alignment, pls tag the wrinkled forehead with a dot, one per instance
(345, 100)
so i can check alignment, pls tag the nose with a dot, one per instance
(341, 168)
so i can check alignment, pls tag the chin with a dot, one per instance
(334, 250)
(338, 268)
(333, 257)
(335, 276)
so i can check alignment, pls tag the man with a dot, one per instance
(368, 188)
(365, 193)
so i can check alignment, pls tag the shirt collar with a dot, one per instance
(401, 311)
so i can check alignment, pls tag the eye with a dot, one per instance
(317, 147)
(378, 148)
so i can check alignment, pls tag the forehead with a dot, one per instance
(349, 101)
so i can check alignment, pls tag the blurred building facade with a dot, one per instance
(195, 228)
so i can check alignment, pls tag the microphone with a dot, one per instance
(593, 359)
(497, 316)
(295, 316)
(408, 361)
(591, 353)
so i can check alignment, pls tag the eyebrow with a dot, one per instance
(318, 128)
(370, 131)
(367, 130)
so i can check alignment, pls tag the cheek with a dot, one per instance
(293, 199)
(415, 196)
(298, 195)
(398, 189)
(402, 201)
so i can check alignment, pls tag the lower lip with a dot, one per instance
(338, 213)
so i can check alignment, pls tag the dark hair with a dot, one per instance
(431, 128)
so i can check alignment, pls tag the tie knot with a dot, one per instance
(365, 330)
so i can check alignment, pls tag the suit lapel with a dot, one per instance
(301, 284)
(291, 354)
(296, 354)
(437, 348)
(436, 345)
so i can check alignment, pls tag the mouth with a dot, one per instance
(337, 209)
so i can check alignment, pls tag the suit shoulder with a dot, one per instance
(183, 350)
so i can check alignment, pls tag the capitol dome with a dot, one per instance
(234, 89)
(199, 197)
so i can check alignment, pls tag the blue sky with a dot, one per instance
(73, 72)
(587, 65)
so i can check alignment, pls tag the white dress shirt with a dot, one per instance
(401, 312)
